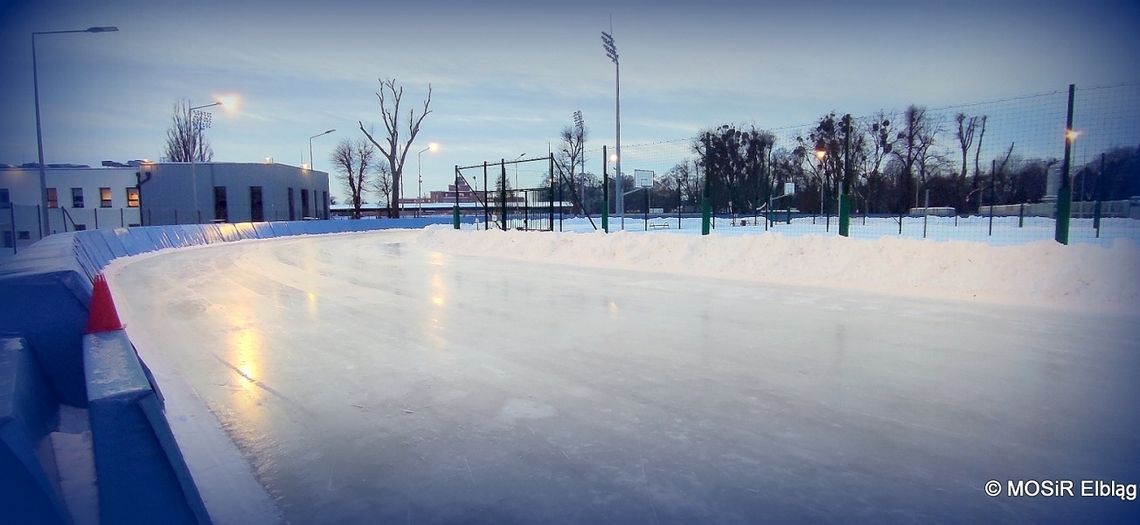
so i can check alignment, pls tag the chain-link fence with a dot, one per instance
(21, 225)
(988, 171)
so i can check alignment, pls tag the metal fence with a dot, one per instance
(990, 171)
(21, 225)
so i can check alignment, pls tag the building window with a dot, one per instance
(325, 204)
(304, 203)
(76, 197)
(256, 208)
(292, 207)
(80, 227)
(52, 198)
(8, 241)
(104, 197)
(5, 198)
(132, 197)
(24, 235)
(221, 207)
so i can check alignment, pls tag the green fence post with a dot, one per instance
(1096, 197)
(503, 193)
(706, 216)
(455, 210)
(844, 215)
(706, 208)
(1065, 193)
(706, 202)
(845, 192)
(605, 190)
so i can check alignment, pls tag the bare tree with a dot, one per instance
(929, 159)
(913, 149)
(997, 172)
(382, 184)
(186, 137)
(967, 127)
(354, 160)
(571, 153)
(977, 155)
(690, 183)
(394, 151)
(876, 150)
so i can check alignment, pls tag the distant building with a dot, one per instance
(79, 198)
(181, 192)
(140, 193)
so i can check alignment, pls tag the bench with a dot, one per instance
(658, 224)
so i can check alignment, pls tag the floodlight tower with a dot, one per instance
(580, 129)
(200, 120)
(611, 51)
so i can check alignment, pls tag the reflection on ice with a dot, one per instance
(311, 304)
(489, 391)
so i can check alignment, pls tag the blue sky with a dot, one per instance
(508, 75)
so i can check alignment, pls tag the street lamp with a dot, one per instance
(312, 161)
(611, 52)
(39, 131)
(420, 175)
(521, 155)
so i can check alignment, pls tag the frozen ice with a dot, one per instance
(376, 378)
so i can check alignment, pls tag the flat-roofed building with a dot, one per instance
(182, 192)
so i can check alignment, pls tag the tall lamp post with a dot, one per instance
(312, 161)
(199, 120)
(420, 175)
(45, 217)
(611, 51)
(521, 155)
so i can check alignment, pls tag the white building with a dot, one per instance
(79, 198)
(181, 192)
(82, 198)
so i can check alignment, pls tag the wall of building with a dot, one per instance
(20, 223)
(181, 193)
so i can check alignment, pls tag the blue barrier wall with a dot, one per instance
(28, 413)
(44, 296)
(142, 475)
(44, 290)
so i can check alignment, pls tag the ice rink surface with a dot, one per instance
(368, 380)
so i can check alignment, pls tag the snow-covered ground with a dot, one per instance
(1042, 273)
(527, 377)
(1004, 230)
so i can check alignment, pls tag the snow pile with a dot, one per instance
(1040, 273)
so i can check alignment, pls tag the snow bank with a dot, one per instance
(1043, 273)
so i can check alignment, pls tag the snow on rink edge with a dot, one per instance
(1044, 273)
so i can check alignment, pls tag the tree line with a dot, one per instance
(888, 162)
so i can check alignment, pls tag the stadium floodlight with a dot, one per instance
(580, 123)
(200, 119)
(611, 52)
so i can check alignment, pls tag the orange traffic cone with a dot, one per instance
(102, 316)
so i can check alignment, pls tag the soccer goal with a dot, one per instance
(519, 194)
